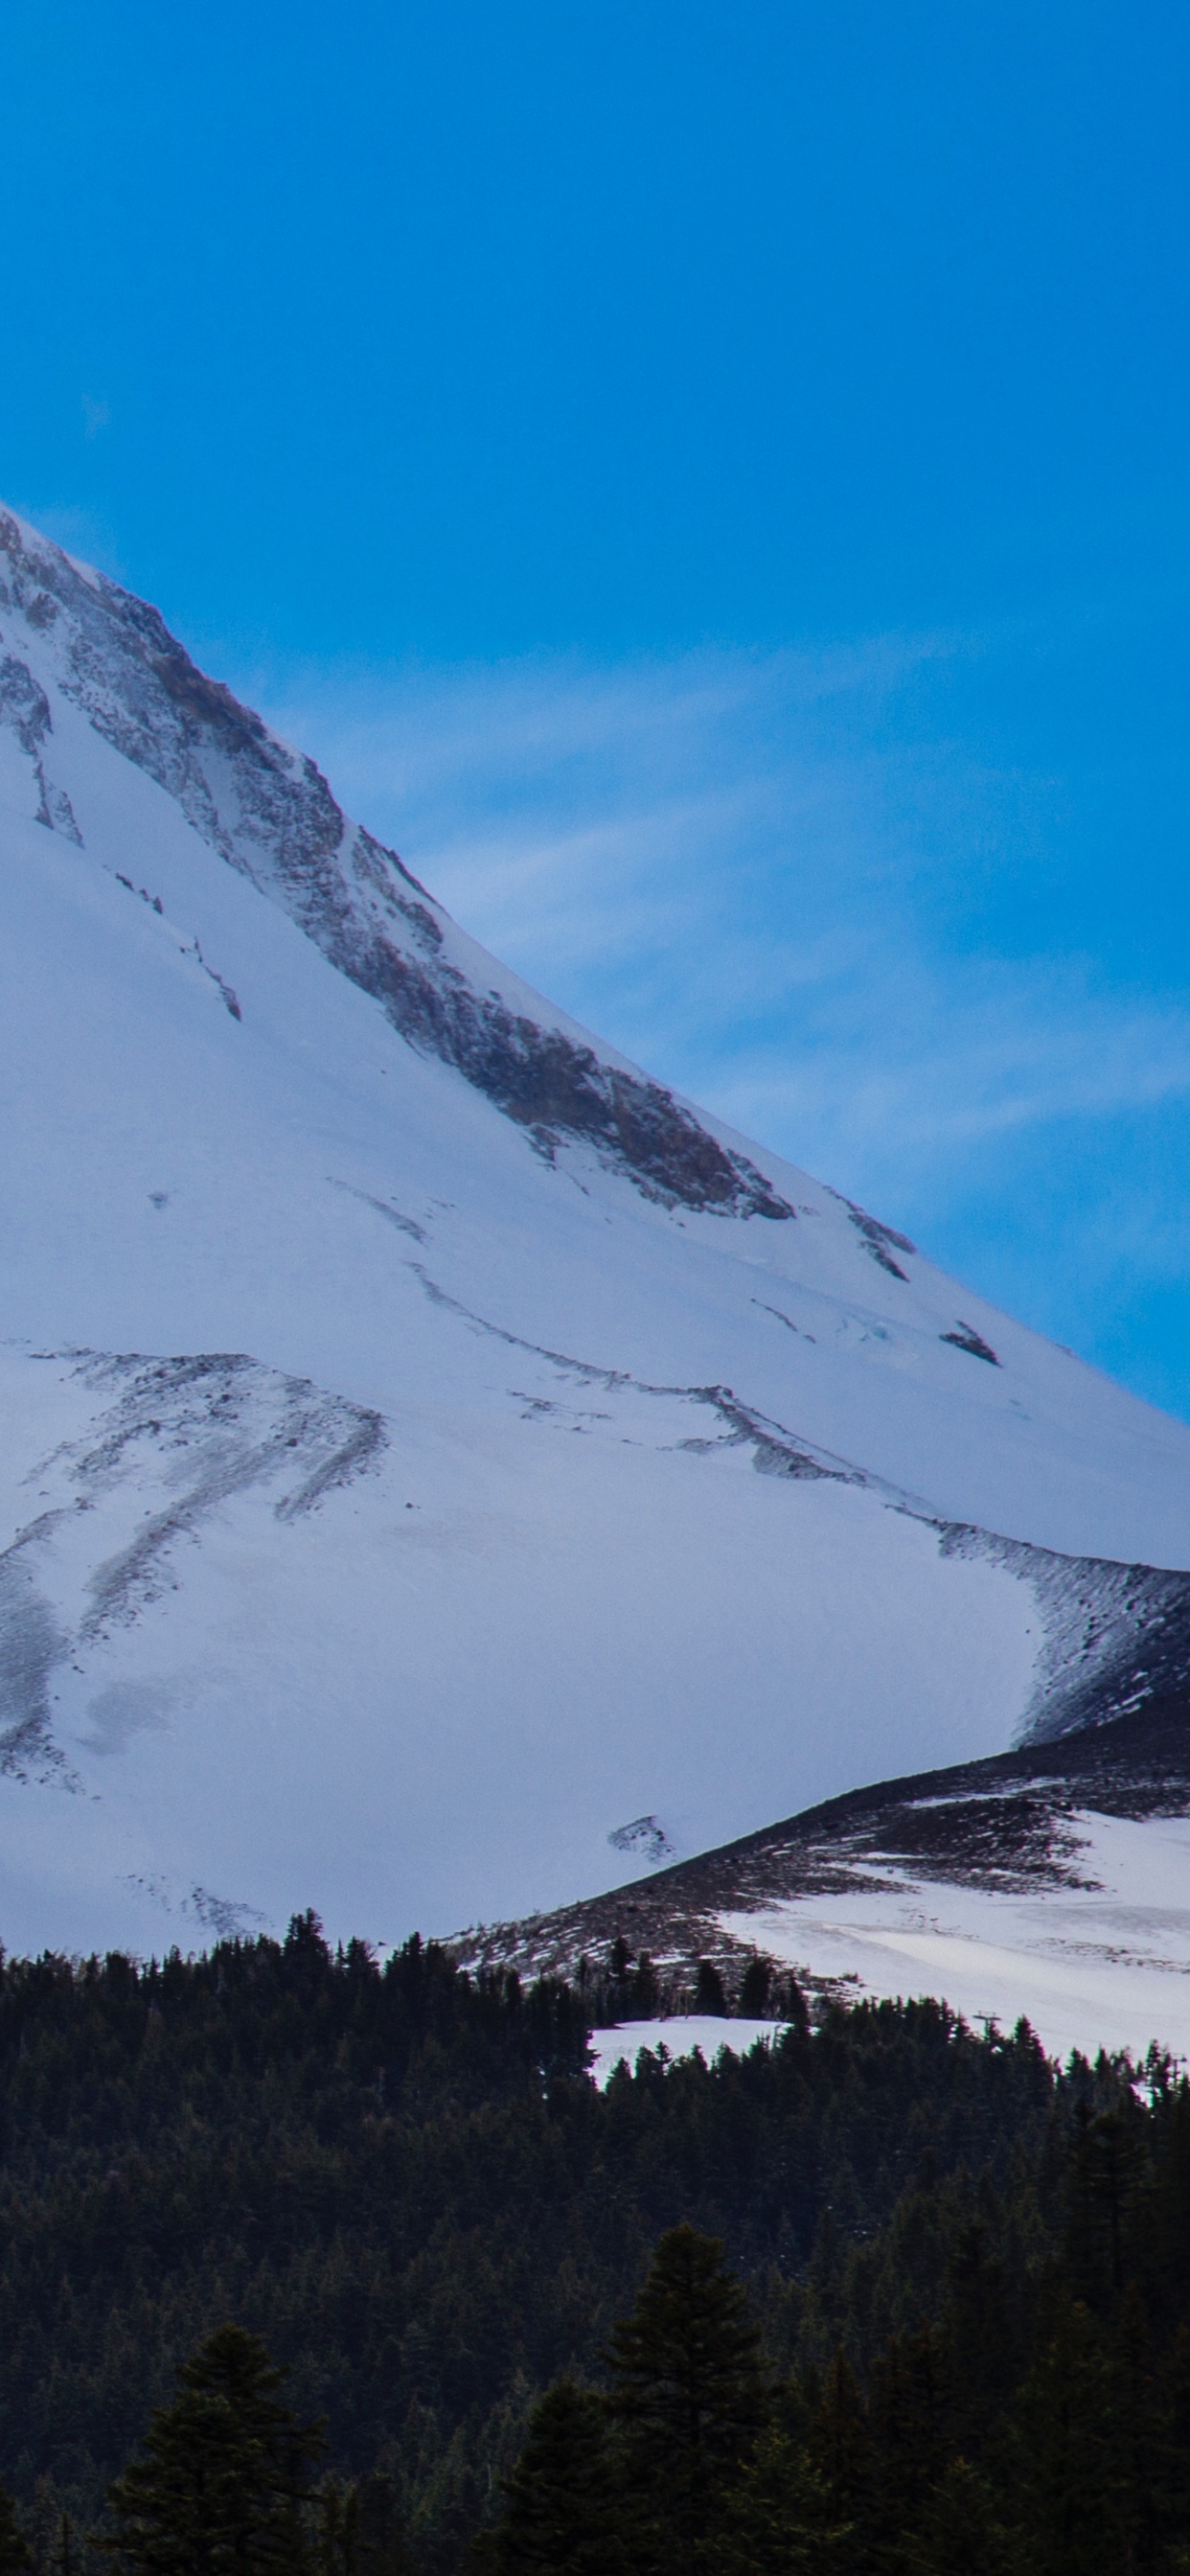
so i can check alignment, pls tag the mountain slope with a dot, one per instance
(1049, 1881)
(441, 1468)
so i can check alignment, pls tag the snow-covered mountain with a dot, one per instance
(443, 1473)
(1052, 1881)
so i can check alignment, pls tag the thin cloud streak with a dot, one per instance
(761, 879)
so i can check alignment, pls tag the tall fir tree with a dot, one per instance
(960, 2532)
(1105, 2181)
(222, 2485)
(979, 2338)
(1171, 2445)
(709, 1995)
(358, 2530)
(1131, 2437)
(561, 2511)
(839, 2452)
(908, 2424)
(1070, 2496)
(16, 2556)
(778, 2521)
(687, 2399)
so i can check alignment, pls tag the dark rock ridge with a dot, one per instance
(1004, 1823)
(25, 712)
(879, 1239)
(965, 1338)
(271, 815)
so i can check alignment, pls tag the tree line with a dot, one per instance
(401, 2187)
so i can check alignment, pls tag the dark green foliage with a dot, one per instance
(778, 2520)
(398, 2178)
(687, 2399)
(16, 2557)
(755, 1987)
(224, 2476)
(909, 2421)
(709, 1996)
(962, 2530)
(357, 2531)
(1070, 2488)
(1104, 2180)
(1036, 2423)
(839, 2456)
(971, 2273)
(980, 2338)
(561, 2513)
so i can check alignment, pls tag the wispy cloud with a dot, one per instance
(780, 884)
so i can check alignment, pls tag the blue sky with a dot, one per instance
(711, 482)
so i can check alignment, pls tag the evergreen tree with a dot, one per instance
(1162, 2254)
(559, 2516)
(1132, 2436)
(646, 1992)
(358, 2530)
(979, 2340)
(380, 2536)
(709, 1996)
(778, 2520)
(754, 1989)
(1171, 2481)
(1071, 2499)
(907, 2422)
(1105, 2179)
(960, 2532)
(15, 2553)
(687, 2398)
(839, 2453)
(220, 2489)
(337, 2551)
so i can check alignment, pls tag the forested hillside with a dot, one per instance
(403, 2181)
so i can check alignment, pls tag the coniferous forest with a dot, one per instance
(313, 2263)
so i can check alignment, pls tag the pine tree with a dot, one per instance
(979, 2340)
(15, 2554)
(560, 2516)
(220, 2489)
(907, 2420)
(709, 1996)
(1132, 2435)
(380, 2535)
(839, 2453)
(1104, 2181)
(1172, 2444)
(1165, 2211)
(778, 2520)
(754, 1988)
(960, 2533)
(358, 2530)
(688, 2399)
(1071, 2494)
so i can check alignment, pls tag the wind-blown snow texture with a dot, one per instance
(439, 1464)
